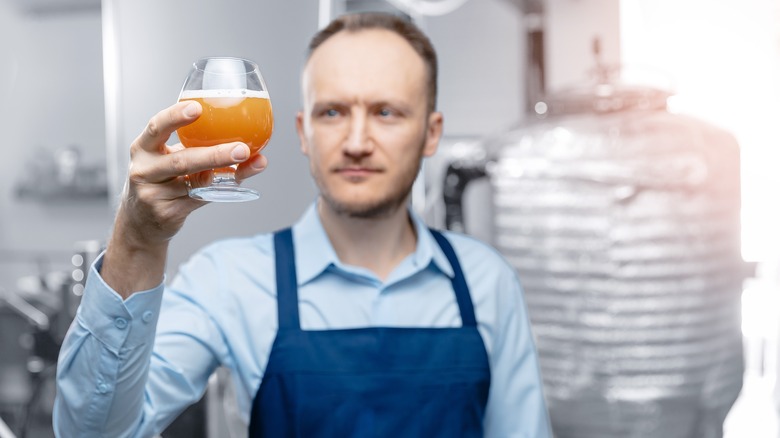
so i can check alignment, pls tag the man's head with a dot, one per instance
(368, 118)
(408, 31)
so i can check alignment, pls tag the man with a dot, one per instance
(357, 322)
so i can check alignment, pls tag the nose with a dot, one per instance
(358, 142)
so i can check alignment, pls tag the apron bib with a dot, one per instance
(374, 381)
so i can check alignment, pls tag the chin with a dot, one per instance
(365, 209)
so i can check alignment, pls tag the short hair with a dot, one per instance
(378, 20)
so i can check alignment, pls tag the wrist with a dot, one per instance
(133, 263)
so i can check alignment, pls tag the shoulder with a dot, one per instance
(494, 287)
(493, 283)
(257, 247)
(478, 257)
(228, 277)
(227, 262)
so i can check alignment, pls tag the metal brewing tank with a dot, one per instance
(622, 220)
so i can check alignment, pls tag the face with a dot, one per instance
(365, 125)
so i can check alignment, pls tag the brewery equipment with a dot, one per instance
(34, 318)
(622, 220)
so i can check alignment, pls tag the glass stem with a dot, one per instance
(225, 176)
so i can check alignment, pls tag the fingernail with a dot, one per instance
(240, 152)
(258, 162)
(190, 110)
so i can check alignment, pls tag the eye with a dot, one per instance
(327, 111)
(386, 112)
(330, 112)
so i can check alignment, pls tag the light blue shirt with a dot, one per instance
(128, 368)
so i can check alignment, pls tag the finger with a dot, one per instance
(251, 167)
(162, 125)
(176, 188)
(200, 179)
(192, 160)
(174, 147)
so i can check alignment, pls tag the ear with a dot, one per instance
(433, 134)
(299, 127)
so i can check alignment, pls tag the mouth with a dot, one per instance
(356, 172)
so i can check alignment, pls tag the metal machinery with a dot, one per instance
(34, 318)
(623, 221)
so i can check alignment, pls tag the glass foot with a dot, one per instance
(224, 194)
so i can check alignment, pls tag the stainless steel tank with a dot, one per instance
(623, 221)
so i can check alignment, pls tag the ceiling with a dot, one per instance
(530, 6)
(64, 6)
(54, 6)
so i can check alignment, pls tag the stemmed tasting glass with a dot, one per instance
(236, 107)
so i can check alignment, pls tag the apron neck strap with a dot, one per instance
(286, 280)
(458, 281)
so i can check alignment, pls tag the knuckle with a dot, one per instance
(217, 155)
(135, 174)
(179, 164)
(136, 148)
(153, 127)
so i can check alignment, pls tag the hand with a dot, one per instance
(155, 201)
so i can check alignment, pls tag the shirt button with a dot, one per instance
(103, 388)
(120, 323)
(147, 316)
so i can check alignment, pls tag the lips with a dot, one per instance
(356, 172)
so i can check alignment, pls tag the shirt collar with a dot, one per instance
(428, 250)
(309, 233)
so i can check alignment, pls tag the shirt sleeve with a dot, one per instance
(112, 380)
(516, 406)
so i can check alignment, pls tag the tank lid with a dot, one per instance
(602, 98)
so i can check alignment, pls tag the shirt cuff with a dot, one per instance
(117, 323)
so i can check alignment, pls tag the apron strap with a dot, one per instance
(286, 280)
(458, 281)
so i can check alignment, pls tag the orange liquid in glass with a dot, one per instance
(230, 117)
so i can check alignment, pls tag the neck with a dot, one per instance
(377, 244)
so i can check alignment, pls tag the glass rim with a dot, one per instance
(246, 61)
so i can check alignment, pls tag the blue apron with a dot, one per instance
(374, 381)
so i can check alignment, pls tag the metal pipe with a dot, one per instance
(112, 99)
(26, 310)
(5, 431)
(325, 13)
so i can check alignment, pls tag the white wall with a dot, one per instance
(481, 48)
(52, 94)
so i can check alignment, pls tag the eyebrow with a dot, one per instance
(401, 106)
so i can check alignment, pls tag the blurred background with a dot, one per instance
(621, 153)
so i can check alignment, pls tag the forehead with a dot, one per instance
(365, 59)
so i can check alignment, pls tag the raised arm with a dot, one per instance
(155, 201)
(109, 383)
